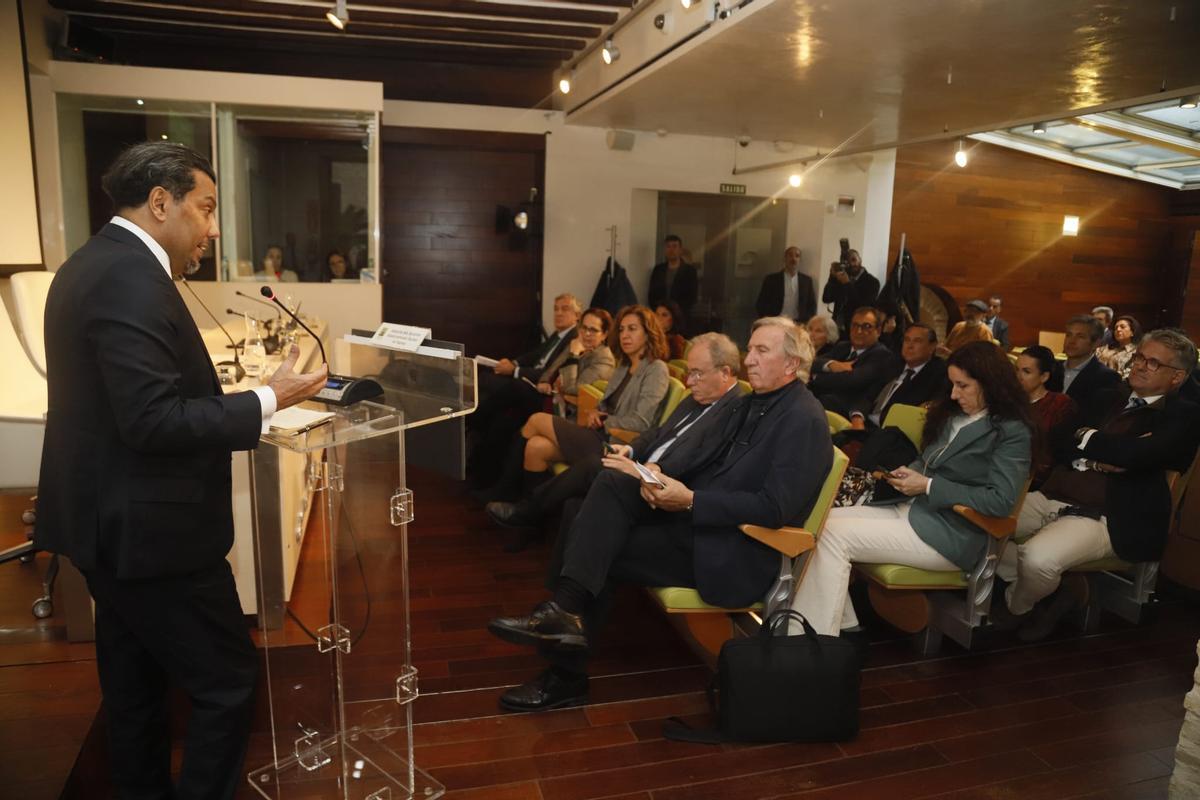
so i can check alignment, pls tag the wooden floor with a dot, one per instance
(1094, 716)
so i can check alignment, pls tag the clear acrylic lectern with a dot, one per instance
(336, 633)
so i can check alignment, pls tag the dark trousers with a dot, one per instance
(187, 630)
(617, 538)
(495, 423)
(573, 482)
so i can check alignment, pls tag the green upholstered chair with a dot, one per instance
(910, 419)
(930, 603)
(837, 423)
(707, 627)
(676, 391)
(678, 368)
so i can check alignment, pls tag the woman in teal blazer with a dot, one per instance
(976, 452)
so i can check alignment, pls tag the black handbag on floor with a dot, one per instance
(771, 688)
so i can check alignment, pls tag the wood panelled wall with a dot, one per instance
(995, 227)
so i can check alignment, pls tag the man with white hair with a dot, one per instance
(766, 469)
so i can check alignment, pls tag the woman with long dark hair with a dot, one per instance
(1037, 366)
(670, 318)
(976, 444)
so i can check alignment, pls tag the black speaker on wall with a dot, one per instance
(81, 43)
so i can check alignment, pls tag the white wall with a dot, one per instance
(589, 188)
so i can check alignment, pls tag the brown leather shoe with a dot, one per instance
(548, 624)
(549, 690)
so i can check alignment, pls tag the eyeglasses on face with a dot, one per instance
(863, 326)
(1151, 364)
(590, 329)
(697, 374)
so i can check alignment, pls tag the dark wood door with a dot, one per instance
(446, 264)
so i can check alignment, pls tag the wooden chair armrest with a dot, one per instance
(587, 402)
(571, 399)
(996, 527)
(787, 540)
(622, 435)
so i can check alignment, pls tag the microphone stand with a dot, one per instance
(238, 370)
(271, 340)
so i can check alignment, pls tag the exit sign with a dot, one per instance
(733, 188)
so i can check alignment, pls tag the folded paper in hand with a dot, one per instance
(647, 476)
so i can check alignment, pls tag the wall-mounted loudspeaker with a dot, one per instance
(619, 140)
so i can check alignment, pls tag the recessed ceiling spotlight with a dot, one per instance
(1039, 127)
(1191, 101)
(1070, 225)
(141, 102)
(686, 3)
(564, 83)
(611, 52)
(795, 180)
(339, 15)
(960, 155)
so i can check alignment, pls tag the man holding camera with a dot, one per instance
(849, 287)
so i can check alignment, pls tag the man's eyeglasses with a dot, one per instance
(862, 326)
(1151, 364)
(590, 329)
(697, 374)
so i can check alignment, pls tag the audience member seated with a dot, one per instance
(997, 326)
(767, 469)
(672, 447)
(510, 396)
(1108, 492)
(631, 401)
(922, 379)
(670, 319)
(1105, 316)
(976, 452)
(1083, 377)
(787, 293)
(1126, 335)
(273, 268)
(1036, 367)
(589, 358)
(823, 332)
(674, 278)
(336, 268)
(849, 289)
(971, 329)
(852, 373)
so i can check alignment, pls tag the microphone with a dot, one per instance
(233, 312)
(238, 370)
(264, 302)
(270, 295)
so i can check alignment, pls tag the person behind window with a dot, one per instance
(1036, 367)
(674, 278)
(336, 268)
(977, 453)
(671, 320)
(272, 267)
(1116, 355)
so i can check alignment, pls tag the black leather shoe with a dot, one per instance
(548, 624)
(1071, 596)
(548, 690)
(510, 515)
(1001, 618)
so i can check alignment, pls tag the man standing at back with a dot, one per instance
(787, 293)
(135, 480)
(674, 279)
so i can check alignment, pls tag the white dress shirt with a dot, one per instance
(265, 394)
(791, 295)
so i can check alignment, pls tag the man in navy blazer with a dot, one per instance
(851, 374)
(996, 325)
(773, 457)
(1084, 379)
(789, 292)
(922, 379)
(135, 478)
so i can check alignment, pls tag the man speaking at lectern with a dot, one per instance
(135, 480)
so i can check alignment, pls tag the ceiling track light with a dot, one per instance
(960, 155)
(795, 180)
(339, 15)
(611, 52)
(1191, 101)
(565, 81)
(1039, 127)
(686, 3)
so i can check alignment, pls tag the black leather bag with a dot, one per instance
(773, 688)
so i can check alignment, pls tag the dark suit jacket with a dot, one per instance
(926, 385)
(684, 289)
(1089, 386)
(847, 297)
(770, 475)
(770, 296)
(698, 443)
(903, 287)
(1000, 332)
(136, 464)
(558, 357)
(1146, 442)
(843, 391)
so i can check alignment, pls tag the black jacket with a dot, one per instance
(136, 464)
(1089, 386)
(844, 391)
(1145, 442)
(684, 289)
(926, 385)
(846, 298)
(770, 296)
(614, 290)
(769, 472)
(1000, 332)
(698, 442)
(526, 361)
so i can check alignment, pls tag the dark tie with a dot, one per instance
(888, 392)
(1136, 402)
(853, 355)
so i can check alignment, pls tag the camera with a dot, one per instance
(844, 259)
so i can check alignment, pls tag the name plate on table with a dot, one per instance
(400, 337)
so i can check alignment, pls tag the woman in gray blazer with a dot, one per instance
(590, 358)
(976, 452)
(632, 399)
